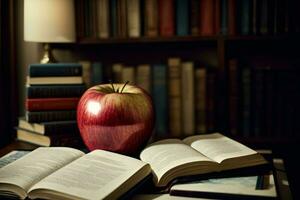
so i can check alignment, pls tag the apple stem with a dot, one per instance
(124, 86)
(112, 85)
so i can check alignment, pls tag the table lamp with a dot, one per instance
(49, 21)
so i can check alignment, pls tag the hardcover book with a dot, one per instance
(233, 188)
(55, 69)
(68, 139)
(51, 127)
(40, 104)
(200, 156)
(44, 91)
(67, 173)
(53, 115)
(54, 80)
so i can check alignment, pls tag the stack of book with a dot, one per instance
(52, 94)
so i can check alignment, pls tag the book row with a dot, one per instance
(154, 18)
(263, 100)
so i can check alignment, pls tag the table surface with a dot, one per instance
(282, 181)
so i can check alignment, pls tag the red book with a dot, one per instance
(166, 17)
(51, 104)
(217, 16)
(231, 17)
(207, 17)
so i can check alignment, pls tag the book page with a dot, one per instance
(166, 154)
(93, 176)
(218, 147)
(33, 167)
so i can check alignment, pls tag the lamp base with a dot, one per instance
(47, 56)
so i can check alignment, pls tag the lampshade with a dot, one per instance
(49, 21)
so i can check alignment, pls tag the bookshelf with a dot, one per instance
(212, 51)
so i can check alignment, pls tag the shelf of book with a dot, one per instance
(236, 30)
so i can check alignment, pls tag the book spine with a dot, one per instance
(207, 13)
(188, 103)
(233, 81)
(174, 96)
(45, 91)
(43, 116)
(160, 99)
(51, 104)
(217, 18)
(151, 19)
(133, 18)
(113, 18)
(245, 17)
(182, 17)
(97, 73)
(128, 74)
(210, 100)
(143, 77)
(51, 80)
(194, 17)
(55, 69)
(246, 108)
(224, 17)
(166, 17)
(200, 93)
(232, 17)
(102, 18)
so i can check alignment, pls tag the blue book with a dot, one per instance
(54, 69)
(245, 14)
(160, 98)
(97, 73)
(114, 18)
(182, 17)
(47, 91)
(224, 17)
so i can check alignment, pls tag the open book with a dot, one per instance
(171, 159)
(66, 173)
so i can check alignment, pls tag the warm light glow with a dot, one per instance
(93, 107)
(49, 21)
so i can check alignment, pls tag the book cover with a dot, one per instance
(40, 104)
(54, 69)
(54, 91)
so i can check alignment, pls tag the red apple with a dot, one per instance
(115, 117)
